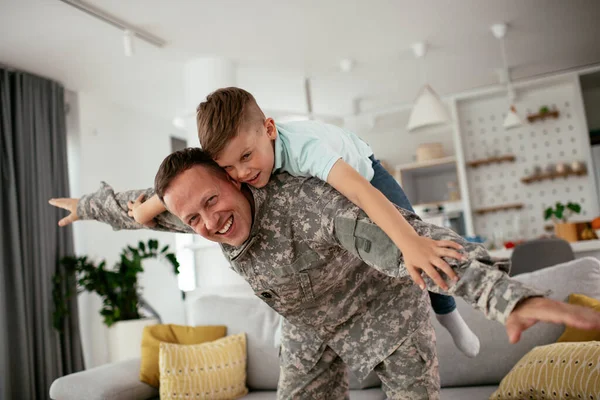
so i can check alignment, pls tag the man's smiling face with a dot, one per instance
(212, 204)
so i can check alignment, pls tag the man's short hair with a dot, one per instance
(179, 162)
(221, 116)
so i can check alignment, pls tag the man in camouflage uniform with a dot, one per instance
(338, 280)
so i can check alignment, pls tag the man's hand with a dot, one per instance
(422, 253)
(536, 309)
(67, 204)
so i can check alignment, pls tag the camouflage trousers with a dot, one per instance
(409, 373)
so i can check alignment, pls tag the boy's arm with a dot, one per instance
(145, 212)
(483, 281)
(111, 208)
(419, 252)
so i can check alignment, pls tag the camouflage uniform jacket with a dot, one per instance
(339, 281)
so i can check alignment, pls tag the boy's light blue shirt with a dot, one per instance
(310, 148)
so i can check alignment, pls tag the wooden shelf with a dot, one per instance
(506, 207)
(542, 116)
(429, 164)
(552, 175)
(492, 160)
(407, 174)
(447, 204)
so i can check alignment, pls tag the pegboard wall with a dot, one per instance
(540, 143)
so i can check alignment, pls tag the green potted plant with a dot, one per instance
(560, 215)
(117, 287)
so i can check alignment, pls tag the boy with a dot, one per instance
(234, 131)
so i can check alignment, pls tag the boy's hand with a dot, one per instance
(135, 212)
(540, 309)
(421, 253)
(69, 205)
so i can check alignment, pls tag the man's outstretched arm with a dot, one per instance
(483, 281)
(111, 208)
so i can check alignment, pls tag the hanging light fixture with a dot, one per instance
(428, 109)
(512, 120)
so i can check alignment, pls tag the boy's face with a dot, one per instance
(249, 157)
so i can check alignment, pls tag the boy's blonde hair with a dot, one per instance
(222, 115)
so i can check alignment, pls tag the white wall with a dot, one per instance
(213, 272)
(124, 148)
(274, 89)
(277, 89)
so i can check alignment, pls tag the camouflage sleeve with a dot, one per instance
(483, 281)
(111, 208)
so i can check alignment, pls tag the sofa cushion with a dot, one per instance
(577, 335)
(249, 315)
(208, 371)
(559, 370)
(115, 381)
(468, 393)
(153, 335)
(497, 355)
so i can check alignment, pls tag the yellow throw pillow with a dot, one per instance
(578, 335)
(555, 371)
(155, 334)
(208, 371)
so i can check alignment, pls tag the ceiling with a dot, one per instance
(53, 39)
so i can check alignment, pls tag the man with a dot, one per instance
(337, 279)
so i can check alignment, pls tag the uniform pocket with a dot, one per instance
(290, 285)
(367, 241)
(305, 284)
(298, 274)
(424, 350)
(305, 261)
(267, 295)
(424, 343)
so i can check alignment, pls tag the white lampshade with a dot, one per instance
(512, 119)
(428, 110)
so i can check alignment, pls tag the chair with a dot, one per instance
(540, 253)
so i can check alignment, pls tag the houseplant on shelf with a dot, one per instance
(117, 287)
(560, 215)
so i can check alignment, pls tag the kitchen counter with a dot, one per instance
(583, 248)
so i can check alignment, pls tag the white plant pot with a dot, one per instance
(125, 338)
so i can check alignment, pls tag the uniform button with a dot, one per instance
(266, 295)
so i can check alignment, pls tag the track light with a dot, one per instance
(128, 42)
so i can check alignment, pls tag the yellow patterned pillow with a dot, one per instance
(208, 371)
(155, 334)
(555, 371)
(577, 335)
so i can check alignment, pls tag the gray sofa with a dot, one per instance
(462, 378)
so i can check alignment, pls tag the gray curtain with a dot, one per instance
(33, 168)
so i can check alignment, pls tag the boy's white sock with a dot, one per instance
(463, 336)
